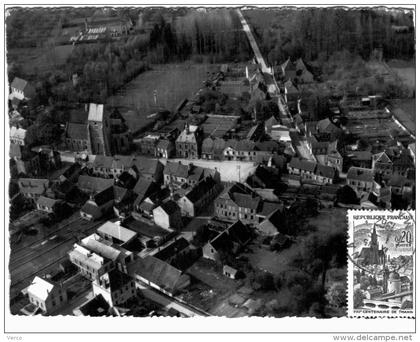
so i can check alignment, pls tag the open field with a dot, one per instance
(331, 220)
(405, 111)
(171, 82)
(262, 258)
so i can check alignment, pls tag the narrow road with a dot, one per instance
(264, 68)
(253, 42)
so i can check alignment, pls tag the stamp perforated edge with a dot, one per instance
(350, 263)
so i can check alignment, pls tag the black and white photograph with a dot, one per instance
(191, 162)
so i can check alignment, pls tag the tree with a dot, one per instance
(263, 281)
(347, 195)
(202, 235)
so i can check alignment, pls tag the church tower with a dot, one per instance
(99, 130)
(374, 247)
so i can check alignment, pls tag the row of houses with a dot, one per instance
(189, 144)
(310, 171)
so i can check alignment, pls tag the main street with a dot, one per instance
(264, 68)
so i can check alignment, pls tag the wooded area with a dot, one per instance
(315, 33)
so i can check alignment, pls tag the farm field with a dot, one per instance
(405, 111)
(171, 82)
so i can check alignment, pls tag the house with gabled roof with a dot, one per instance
(101, 166)
(143, 188)
(302, 167)
(212, 148)
(168, 215)
(400, 185)
(148, 168)
(303, 75)
(178, 175)
(321, 147)
(323, 130)
(148, 143)
(95, 256)
(242, 150)
(48, 205)
(158, 274)
(32, 188)
(98, 205)
(116, 233)
(270, 123)
(334, 159)
(95, 307)
(271, 225)
(19, 136)
(382, 165)
(403, 164)
(280, 133)
(361, 179)
(169, 252)
(77, 137)
(107, 166)
(199, 197)
(238, 202)
(291, 91)
(46, 295)
(123, 201)
(230, 241)
(89, 184)
(115, 287)
(325, 174)
(360, 159)
(27, 162)
(188, 144)
(21, 89)
(165, 148)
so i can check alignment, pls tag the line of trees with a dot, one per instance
(216, 34)
(314, 32)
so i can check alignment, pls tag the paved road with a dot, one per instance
(252, 41)
(273, 87)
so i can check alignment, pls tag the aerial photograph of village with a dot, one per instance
(187, 162)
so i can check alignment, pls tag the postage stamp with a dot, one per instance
(381, 259)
